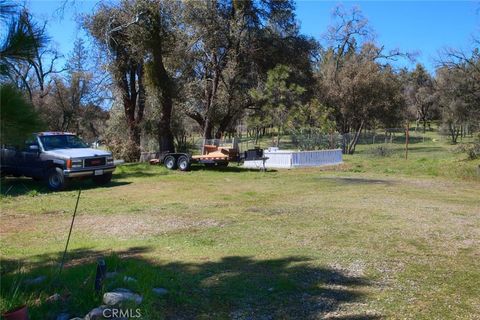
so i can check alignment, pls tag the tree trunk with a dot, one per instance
(208, 129)
(223, 126)
(454, 133)
(165, 136)
(128, 77)
(352, 145)
(163, 86)
(133, 152)
(278, 136)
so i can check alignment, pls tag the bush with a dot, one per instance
(116, 136)
(471, 149)
(18, 118)
(382, 151)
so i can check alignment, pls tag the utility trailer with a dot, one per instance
(214, 153)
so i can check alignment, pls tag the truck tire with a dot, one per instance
(170, 162)
(103, 179)
(183, 163)
(56, 181)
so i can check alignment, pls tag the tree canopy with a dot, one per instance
(153, 73)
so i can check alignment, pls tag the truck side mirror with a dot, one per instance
(33, 148)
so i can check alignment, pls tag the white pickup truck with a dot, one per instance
(57, 157)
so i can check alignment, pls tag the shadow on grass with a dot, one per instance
(25, 186)
(236, 287)
(231, 168)
(426, 149)
(398, 150)
(138, 174)
(355, 181)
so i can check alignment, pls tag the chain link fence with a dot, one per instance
(316, 141)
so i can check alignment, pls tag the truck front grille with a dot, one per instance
(95, 162)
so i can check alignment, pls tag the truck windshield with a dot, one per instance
(62, 142)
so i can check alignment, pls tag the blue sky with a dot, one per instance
(416, 26)
(422, 26)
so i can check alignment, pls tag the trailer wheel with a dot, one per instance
(183, 163)
(222, 164)
(170, 162)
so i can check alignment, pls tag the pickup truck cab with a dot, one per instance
(57, 157)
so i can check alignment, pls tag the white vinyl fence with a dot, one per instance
(296, 159)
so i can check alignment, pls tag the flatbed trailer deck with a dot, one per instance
(212, 155)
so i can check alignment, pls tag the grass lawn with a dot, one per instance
(373, 238)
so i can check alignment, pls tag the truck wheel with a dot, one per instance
(170, 162)
(56, 180)
(103, 179)
(183, 164)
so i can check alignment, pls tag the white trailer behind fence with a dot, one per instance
(296, 159)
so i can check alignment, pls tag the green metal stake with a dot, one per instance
(69, 233)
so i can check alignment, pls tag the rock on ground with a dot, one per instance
(110, 275)
(160, 291)
(54, 297)
(96, 314)
(119, 296)
(36, 280)
(63, 316)
(129, 279)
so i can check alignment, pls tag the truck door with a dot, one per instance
(9, 160)
(30, 159)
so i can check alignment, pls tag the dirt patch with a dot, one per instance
(125, 227)
(120, 226)
(355, 269)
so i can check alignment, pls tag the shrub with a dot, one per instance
(18, 118)
(471, 149)
(382, 151)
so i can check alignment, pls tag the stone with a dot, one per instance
(110, 275)
(63, 316)
(96, 313)
(36, 280)
(160, 291)
(129, 279)
(120, 296)
(54, 297)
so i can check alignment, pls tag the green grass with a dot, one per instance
(377, 237)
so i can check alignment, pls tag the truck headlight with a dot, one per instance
(110, 160)
(77, 163)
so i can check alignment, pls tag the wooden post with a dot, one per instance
(407, 136)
